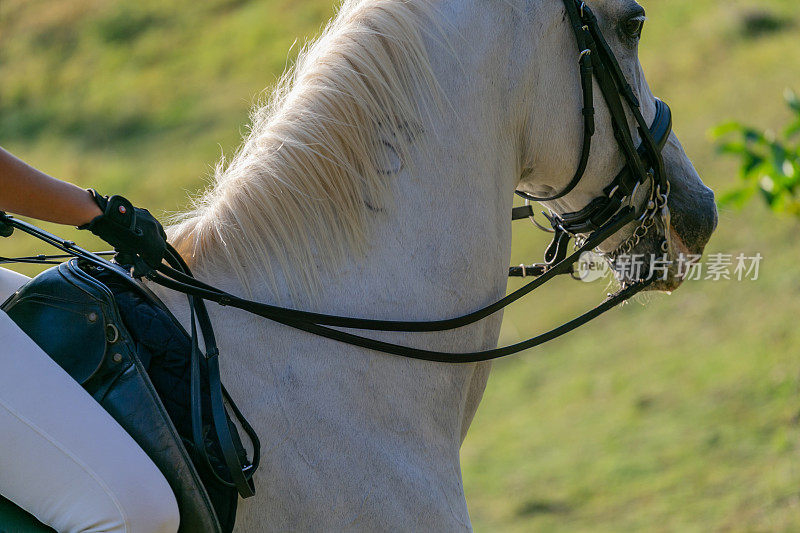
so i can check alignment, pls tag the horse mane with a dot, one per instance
(297, 193)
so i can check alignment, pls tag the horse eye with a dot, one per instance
(632, 28)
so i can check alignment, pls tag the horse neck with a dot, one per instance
(440, 243)
(439, 247)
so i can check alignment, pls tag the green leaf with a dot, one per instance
(737, 198)
(725, 129)
(734, 148)
(752, 162)
(778, 159)
(769, 163)
(782, 202)
(753, 135)
(769, 197)
(792, 100)
(792, 130)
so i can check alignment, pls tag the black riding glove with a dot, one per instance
(6, 230)
(133, 232)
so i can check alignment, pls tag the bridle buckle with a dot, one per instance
(536, 222)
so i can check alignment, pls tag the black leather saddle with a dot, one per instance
(119, 341)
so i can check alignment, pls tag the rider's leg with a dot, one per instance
(10, 281)
(63, 458)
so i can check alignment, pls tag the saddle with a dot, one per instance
(121, 343)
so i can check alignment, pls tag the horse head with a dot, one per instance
(553, 136)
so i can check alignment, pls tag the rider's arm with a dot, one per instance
(130, 230)
(29, 192)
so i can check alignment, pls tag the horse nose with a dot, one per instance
(694, 216)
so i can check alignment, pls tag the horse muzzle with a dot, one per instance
(692, 220)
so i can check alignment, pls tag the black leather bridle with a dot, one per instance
(590, 227)
(645, 165)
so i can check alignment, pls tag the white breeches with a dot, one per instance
(62, 457)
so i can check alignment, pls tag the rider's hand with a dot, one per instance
(130, 230)
(6, 230)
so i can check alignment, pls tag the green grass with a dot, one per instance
(678, 415)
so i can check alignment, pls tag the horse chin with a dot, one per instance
(650, 247)
(667, 286)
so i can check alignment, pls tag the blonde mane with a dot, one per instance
(298, 192)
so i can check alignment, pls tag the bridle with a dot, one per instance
(645, 164)
(604, 217)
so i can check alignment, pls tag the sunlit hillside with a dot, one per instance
(676, 413)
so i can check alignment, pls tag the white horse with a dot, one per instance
(378, 182)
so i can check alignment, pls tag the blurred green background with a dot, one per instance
(676, 413)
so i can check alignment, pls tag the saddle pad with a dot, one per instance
(79, 306)
(164, 348)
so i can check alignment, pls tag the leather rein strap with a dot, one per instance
(241, 475)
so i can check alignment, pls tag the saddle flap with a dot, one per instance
(75, 319)
(62, 310)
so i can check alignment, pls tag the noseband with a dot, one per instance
(602, 219)
(644, 169)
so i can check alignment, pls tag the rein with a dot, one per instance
(600, 220)
(321, 324)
